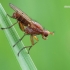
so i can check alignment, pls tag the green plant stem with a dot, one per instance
(24, 59)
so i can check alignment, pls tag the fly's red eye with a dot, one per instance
(45, 33)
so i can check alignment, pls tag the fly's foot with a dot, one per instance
(24, 48)
(14, 45)
(29, 49)
(2, 28)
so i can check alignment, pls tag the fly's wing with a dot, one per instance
(21, 13)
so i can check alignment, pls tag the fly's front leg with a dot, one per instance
(32, 41)
(9, 26)
(26, 47)
(31, 47)
(22, 49)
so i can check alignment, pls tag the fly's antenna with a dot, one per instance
(52, 33)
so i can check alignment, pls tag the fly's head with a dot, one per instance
(46, 33)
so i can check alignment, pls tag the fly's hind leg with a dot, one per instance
(9, 26)
(9, 16)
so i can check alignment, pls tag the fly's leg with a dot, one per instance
(19, 40)
(32, 41)
(9, 26)
(22, 27)
(31, 47)
(9, 16)
(22, 49)
(26, 47)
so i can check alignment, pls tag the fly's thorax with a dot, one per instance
(30, 30)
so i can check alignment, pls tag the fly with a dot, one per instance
(28, 26)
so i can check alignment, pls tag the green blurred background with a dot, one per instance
(51, 54)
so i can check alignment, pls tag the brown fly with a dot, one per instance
(28, 26)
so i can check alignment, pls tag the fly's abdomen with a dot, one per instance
(23, 21)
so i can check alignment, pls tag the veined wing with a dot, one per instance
(20, 12)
